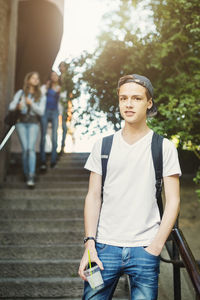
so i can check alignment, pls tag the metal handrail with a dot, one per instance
(180, 246)
(188, 258)
(7, 136)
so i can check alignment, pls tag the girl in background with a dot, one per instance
(31, 104)
(52, 91)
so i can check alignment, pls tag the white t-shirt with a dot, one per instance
(129, 215)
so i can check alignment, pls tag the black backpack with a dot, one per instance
(157, 156)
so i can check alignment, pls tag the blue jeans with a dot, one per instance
(49, 116)
(141, 266)
(64, 128)
(27, 133)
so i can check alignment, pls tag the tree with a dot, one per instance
(177, 57)
(169, 55)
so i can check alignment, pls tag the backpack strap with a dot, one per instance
(157, 155)
(105, 153)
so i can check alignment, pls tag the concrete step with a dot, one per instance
(63, 172)
(38, 251)
(54, 287)
(41, 233)
(41, 225)
(44, 186)
(73, 168)
(42, 193)
(48, 203)
(41, 238)
(70, 166)
(78, 171)
(70, 161)
(75, 155)
(64, 177)
(7, 214)
(48, 177)
(39, 268)
(80, 162)
(16, 156)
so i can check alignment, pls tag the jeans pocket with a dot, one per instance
(100, 247)
(149, 254)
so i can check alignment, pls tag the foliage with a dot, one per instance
(69, 85)
(169, 56)
(177, 87)
(68, 81)
(176, 59)
(102, 79)
(197, 181)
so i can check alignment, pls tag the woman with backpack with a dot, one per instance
(31, 105)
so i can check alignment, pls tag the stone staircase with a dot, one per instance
(41, 233)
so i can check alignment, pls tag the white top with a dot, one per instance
(37, 108)
(129, 215)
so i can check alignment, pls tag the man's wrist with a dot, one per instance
(157, 248)
(89, 238)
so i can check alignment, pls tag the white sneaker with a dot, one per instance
(30, 182)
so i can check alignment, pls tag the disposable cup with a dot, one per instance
(94, 277)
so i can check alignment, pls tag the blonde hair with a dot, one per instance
(26, 86)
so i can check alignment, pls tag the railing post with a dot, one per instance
(176, 273)
(197, 297)
(176, 269)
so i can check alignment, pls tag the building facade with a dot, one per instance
(30, 37)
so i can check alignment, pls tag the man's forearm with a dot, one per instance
(91, 214)
(169, 217)
(172, 195)
(91, 217)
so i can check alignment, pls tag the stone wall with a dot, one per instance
(8, 32)
(30, 37)
(40, 29)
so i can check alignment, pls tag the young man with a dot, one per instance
(124, 233)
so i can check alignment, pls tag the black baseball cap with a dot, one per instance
(142, 80)
(145, 82)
